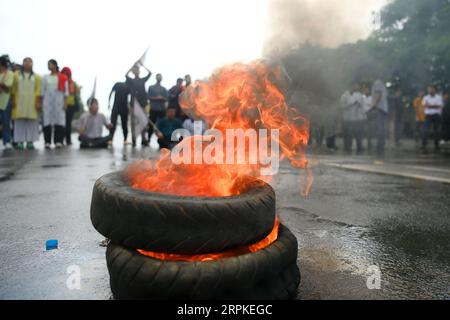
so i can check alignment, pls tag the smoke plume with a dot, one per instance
(310, 37)
(327, 23)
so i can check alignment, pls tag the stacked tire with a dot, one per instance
(134, 219)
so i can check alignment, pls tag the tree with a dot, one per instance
(415, 41)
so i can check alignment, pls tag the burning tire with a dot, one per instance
(270, 274)
(184, 225)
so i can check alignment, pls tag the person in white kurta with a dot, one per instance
(54, 104)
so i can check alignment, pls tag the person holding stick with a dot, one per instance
(165, 127)
(139, 102)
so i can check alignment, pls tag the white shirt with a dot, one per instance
(435, 100)
(353, 106)
(380, 89)
(93, 124)
(367, 103)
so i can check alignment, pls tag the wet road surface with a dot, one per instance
(353, 220)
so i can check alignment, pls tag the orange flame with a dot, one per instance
(237, 96)
(250, 96)
(271, 238)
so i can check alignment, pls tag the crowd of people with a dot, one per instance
(156, 110)
(367, 112)
(28, 100)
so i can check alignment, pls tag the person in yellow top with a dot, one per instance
(6, 83)
(27, 102)
(419, 109)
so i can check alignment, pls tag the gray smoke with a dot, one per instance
(309, 37)
(327, 23)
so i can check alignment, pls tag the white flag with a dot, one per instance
(144, 56)
(94, 90)
(140, 119)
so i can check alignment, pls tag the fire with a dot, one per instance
(271, 238)
(238, 96)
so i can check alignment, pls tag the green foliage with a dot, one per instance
(417, 35)
(411, 50)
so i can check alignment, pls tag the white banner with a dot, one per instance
(140, 119)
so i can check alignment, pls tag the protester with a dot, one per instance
(188, 81)
(6, 84)
(91, 128)
(138, 102)
(367, 96)
(27, 103)
(166, 127)
(398, 110)
(346, 117)
(55, 89)
(158, 97)
(377, 117)
(73, 103)
(433, 104)
(120, 108)
(353, 117)
(419, 110)
(174, 96)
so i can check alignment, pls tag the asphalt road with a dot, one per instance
(358, 219)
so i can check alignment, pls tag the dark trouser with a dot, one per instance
(377, 130)
(94, 143)
(432, 124)
(331, 142)
(155, 115)
(123, 113)
(320, 135)
(353, 130)
(346, 131)
(58, 134)
(446, 123)
(419, 130)
(6, 123)
(165, 144)
(69, 117)
(398, 124)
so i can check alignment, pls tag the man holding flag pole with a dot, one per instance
(139, 100)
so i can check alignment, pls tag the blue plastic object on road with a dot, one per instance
(51, 244)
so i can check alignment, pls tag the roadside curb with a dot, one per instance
(382, 170)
